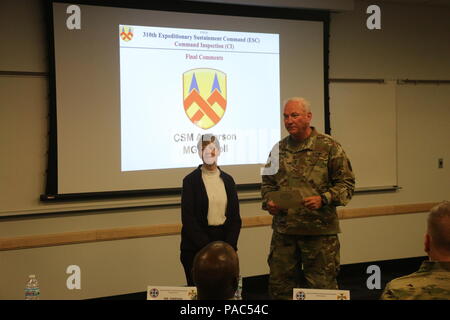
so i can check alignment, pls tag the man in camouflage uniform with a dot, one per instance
(305, 237)
(432, 280)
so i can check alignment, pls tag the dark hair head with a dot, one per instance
(216, 271)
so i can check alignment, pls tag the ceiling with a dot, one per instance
(445, 3)
(333, 5)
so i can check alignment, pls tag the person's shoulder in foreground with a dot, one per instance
(432, 280)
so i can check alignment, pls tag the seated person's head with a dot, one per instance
(437, 239)
(216, 271)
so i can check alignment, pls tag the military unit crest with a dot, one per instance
(205, 96)
(154, 293)
(126, 33)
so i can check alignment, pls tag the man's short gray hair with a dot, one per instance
(439, 225)
(303, 101)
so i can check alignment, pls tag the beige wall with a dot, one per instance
(125, 266)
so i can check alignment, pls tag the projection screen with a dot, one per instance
(134, 89)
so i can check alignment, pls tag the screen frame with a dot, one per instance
(51, 186)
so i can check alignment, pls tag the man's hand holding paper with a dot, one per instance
(286, 199)
(291, 199)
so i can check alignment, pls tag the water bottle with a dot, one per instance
(32, 288)
(238, 293)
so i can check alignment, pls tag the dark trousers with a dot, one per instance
(215, 233)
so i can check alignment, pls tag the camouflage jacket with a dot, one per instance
(430, 282)
(316, 166)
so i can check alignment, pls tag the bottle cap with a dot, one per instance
(32, 276)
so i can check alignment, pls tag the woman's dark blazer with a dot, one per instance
(194, 212)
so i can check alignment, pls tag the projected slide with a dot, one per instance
(177, 84)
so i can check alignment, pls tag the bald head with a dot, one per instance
(438, 232)
(216, 271)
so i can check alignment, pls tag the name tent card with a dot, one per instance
(171, 293)
(320, 294)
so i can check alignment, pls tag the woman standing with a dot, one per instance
(209, 206)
